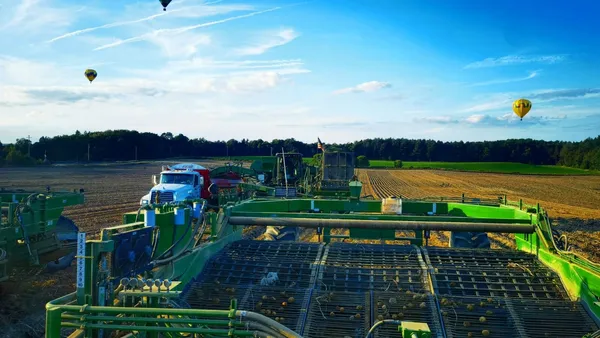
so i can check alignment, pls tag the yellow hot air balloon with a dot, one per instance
(90, 74)
(521, 107)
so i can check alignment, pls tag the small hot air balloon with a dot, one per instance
(165, 3)
(90, 74)
(521, 107)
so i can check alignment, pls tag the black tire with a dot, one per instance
(472, 240)
(281, 233)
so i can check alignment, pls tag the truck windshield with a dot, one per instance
(177, 178)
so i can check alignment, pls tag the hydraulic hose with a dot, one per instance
(200, 217)
(159, 261)
(156, 229)
(381, 322)
(270, 323)
(263, 328)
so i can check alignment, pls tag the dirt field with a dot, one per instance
(573, 202)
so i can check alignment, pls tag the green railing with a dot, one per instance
(146, 316)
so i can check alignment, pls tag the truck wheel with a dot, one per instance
(281, 234)
(473, 240)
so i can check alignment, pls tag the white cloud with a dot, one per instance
(504, 101)
(488, 106)
(502, 81)
(439, 119)
(365, 87)
(174, 31)
(282, 37)
(494, 120)
(37, 16)
(182, 45)
(516, 60)
(20, 84)
(182, 12)
(477, 118)
(20, 71)
(209, 64)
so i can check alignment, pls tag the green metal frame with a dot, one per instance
(235, 168)
(87, 313)
(27, 224)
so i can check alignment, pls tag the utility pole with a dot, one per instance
(29, 146)
(271, 151)
(88, 152)
(227, 149)
(136, 153)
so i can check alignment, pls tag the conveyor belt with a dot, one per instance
(341, 290)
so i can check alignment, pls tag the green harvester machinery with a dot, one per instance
(182, 270)
(33, 231)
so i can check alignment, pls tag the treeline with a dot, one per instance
(124, 145)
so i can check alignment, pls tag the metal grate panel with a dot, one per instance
(287, 306)
(469, 317)
(492, 273)
(551, 318)
(372, 256)
(213, 296)
(405, 306)
(247, 262)
(338, 314)
(358, 268)
(514, 292)
(503, 317)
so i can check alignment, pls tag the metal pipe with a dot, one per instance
(81, 309)
(216, 332)
(382, 225)
(207, 322)
(250, 316)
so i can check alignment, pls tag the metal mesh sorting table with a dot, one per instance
(341, 290)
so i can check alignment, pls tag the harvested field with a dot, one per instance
(573, 202)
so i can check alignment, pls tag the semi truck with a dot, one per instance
(186, 181)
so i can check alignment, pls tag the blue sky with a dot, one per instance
(338, 70)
